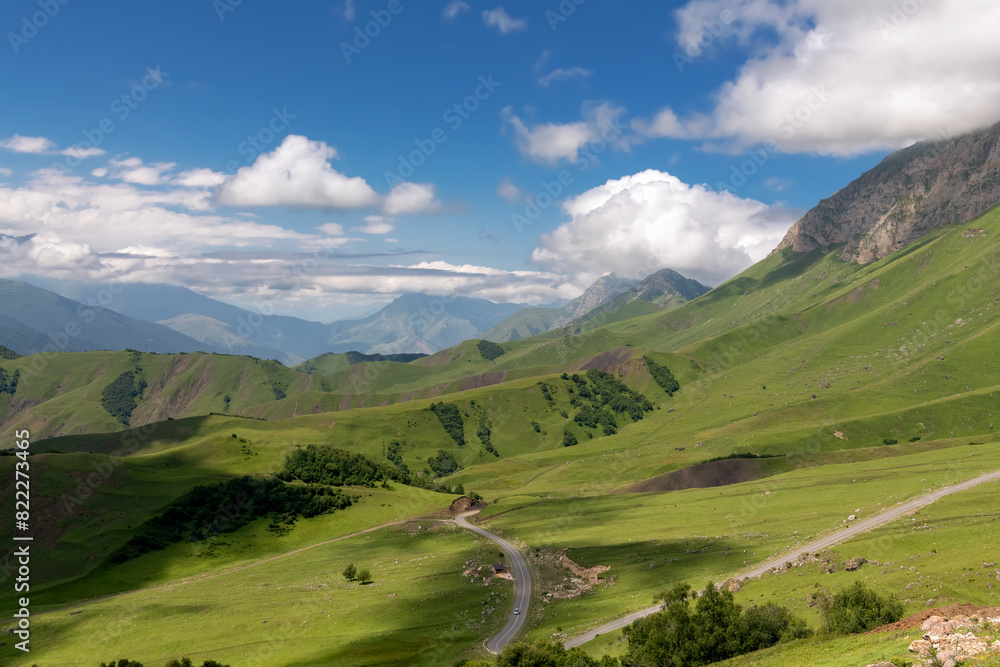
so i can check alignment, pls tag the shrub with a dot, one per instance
(490, 350)
(568, 439)
(859, 608)
(663, 376)
(443, 464)
(451, 419)
(323, 464)
(364, 576)
(118, 398)
(890, 441)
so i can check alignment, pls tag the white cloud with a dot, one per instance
(560, 74)
(132, 170)
(411, 199)
(651, 220)
(453, 9)
(21, 144)
(778, 184)
(4, 171)
(332, 229)
(100, 172)
(664, 124)
(499, 18)
(349, 11)
(43, 146)
(297, 173)
(82, 153)
(553, 142)
(844, 78)
(376, 224)
(510, 192)
(199, 178)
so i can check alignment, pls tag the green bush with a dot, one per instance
(490, 350)
(451, 419)
(662, 376)
(209, 510)
(716, 629)
(118, 398)
(568, 439)
(443, 464)
(859, 608)
(9, 385)
(323, 464)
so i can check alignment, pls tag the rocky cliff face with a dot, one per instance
(911, 192)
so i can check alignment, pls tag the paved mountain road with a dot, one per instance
(816, 545)
(522, 583)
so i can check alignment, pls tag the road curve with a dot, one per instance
(522, 584)
(816, 545)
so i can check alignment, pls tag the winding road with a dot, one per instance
(816, 545)
(522, 583)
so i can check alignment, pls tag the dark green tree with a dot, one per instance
(350, 572)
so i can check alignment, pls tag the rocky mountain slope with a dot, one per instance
(911, 192)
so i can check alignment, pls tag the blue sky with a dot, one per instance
(242, 150)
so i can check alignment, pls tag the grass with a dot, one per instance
(299, 610)
(801, 357)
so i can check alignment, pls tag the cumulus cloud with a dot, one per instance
(560, 74)
(499, 18)
(553, 142)
(411, 199)
(21, 144)
(455, 8)
(297, 173)
(510, 192)
(376, 224)
(44, 146)
(845, 78)
(199, 178)
(132, 170)
(639, 224)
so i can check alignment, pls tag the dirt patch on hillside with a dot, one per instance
(589, 574)
(701, 476)
(914, 621)
(484, 380)
(465, 504)
(438, 390)
(605, 361)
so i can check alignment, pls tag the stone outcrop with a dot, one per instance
(911, 192)
(947, 641)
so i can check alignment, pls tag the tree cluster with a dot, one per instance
(7, 353)
(118, 398)
(210, 510)
(602, 398)
(8, 384)
(490, 350)
(859, 608)
(716, 629)
(451, 419)
(323, 464)
(662, 376)
(443, 464)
